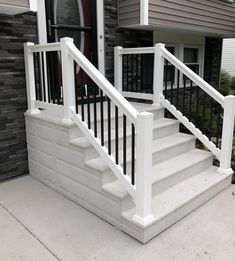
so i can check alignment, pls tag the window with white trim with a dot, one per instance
(191, 55)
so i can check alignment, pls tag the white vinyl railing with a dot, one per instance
(228, 103)
(143, 122)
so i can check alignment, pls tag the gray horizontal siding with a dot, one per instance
(22, 3)
(228, 56)
(211, 16)
(129, 12)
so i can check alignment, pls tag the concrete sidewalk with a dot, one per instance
(37, 223)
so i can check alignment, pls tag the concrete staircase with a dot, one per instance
(183, 176)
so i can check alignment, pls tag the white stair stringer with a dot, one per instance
(183, 177)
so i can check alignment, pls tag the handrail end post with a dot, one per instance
(143, 197)
(118, 68)
(66, 40)
(30, 78)
(68, 81)
(158, 75)
(227, 133)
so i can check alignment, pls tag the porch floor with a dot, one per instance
(37, 223)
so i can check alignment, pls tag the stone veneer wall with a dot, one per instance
(212, 66)
(115, 36)
(14, 31)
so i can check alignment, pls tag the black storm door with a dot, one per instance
(75, 19)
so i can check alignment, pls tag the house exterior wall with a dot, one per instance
(129, 12)
(210, 17)
(14, 31)
(228, 56)
(114, 36)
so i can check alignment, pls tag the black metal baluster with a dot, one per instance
(95, 110)
(36, 83)
(76, 88)
(123, 72)
(178, 88)
(53, 75)
(165, 76)
(132, 75)
(43, 76)
(82, 96)
(102, 117)
(218, 110)
(197, 105)
(211, 117)
(124, 144)
(133, 155)
(190, 100)
(127, 73)
(88, 107)
(136, 79)
(116, 135)
(109, 126)
(184, 87)
(172, 85)
(141, 73)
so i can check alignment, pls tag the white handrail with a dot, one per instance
(141, 50)
(193, 76)
(50, 47)
(103, 83)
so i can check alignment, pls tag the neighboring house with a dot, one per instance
(228, 56)
(96, 149)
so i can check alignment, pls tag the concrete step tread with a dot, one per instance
(141, 107)
(158, 145)
(174, 198)
(163, 170)
(157, 124)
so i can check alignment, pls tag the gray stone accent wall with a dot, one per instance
(14, 31)
(212, 66)
(115, 36)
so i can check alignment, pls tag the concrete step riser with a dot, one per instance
(91, 153)
(162, 185)
(171, 152)
(162, 155)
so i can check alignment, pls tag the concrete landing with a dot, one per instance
(37, 223)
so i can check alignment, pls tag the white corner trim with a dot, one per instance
(100, 36)
(33, 6)
(144, 12)
(41, 20)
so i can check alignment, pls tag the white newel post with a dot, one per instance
(68, 79)
(144, 168)
(158, 73)
(227, 134)
(118, 68)
(30, 78)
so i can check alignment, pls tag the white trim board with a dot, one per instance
(144, 12)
